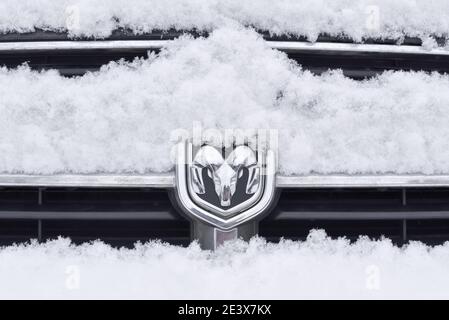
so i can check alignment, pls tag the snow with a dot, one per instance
(122, 118)
(357, 19)
(317, 268)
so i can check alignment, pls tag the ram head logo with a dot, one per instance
(225, 172)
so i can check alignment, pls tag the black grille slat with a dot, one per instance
(69, 62)
(401, 214)
(341, 199)
(355, 65)
(299, 229)
(407, 200)
(83, 199)
(119, 216)
(105, 200)
(16, 231)
(117, 232)
(18, 198)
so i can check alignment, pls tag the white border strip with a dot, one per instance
(158, 44)
(168, 181)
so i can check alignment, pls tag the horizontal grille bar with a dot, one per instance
(95, 181)
(122, 34)
(82, 45)
(86, 203)
(289, 46)
(168, 181)
(72, 58)
(362, 215)
(94, 215)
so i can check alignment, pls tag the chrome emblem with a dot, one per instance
(225, 172)
(224, 187)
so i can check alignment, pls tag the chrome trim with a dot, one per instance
(87, 215)
(168, 181)
(129, 181)
(158, 44)
(355, 47)
(82, 45)
(360, 215)
(362, 181)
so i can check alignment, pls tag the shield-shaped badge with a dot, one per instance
(224, 187)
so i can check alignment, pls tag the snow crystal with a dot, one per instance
(317, 268)
(120, 119)
(357, 19)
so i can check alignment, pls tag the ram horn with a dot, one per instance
(244, 157)
(206, 157)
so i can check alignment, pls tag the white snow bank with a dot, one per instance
(378, 18)
(317, 268)
(119, 120)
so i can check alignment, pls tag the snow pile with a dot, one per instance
(120, 120)
(317, 268)
(377, 18)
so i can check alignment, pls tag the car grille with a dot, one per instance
(122, 216)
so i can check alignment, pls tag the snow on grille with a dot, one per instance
(120, 119)
(375, 18)
(317, 268)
